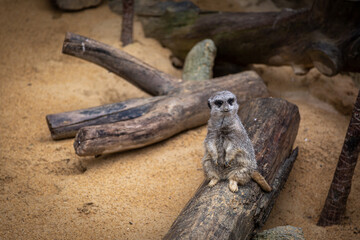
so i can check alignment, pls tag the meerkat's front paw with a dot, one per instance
(233, 186)
(213, 182)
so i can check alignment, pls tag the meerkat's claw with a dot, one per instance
(213, 182)
(233, 186)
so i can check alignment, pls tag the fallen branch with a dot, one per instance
(121, 63)
(140, 122)
(67, 124)
(182, 110)
(217, 213)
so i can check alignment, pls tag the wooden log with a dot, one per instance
(64, 125)
(119, 62)
(321, 36)
(185, 108)
(218, 213)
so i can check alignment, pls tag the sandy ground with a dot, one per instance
(48, 192)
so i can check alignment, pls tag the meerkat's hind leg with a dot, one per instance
(240, 176)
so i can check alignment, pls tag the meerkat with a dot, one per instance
(229, 154)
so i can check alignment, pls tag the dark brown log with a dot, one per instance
(63, 125)
(335, 204)
(127, 22)
(185, 108)
(326, 36)
(218, 213)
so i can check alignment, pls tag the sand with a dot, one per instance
(48, 192)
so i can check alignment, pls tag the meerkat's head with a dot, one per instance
(223, 103)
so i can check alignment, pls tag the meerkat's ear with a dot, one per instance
(209, 104)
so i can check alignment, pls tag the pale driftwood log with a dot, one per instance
(66, 125)
(63, 125)
(326, 36)
(217, 213)
(149, 79)
(185, 108)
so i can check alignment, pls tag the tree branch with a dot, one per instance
(126, 66)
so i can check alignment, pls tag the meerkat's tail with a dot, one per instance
(259, 179)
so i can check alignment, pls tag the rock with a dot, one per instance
(74, 5)
(199, 61)
(282, 232)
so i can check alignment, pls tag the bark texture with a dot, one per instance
(218, 213)
(121, 63)
(335, 204)
(127, 22)
(181, 95)
(326, 36)
(185, 108)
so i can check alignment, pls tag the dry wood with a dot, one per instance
(127, 22)
(119, 62)
(335, 204)
(322, 36)
(185, 108)
(64, 125)
(67, 124)
(217, 213)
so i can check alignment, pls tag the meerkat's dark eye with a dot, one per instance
(218, 103)
(230, 101)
